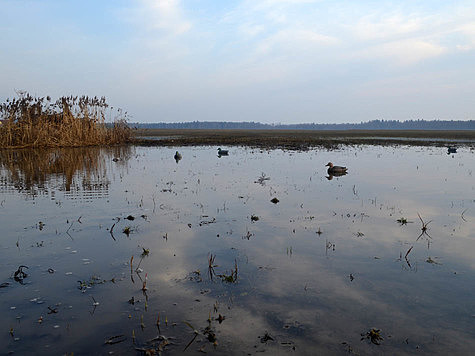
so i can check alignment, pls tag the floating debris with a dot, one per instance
(432, 261)
(274, 200)
(232, 277)
(266, 338)
(261, 180)
(20, 275)
(403, 221)
(254, 218)
(374, 335)
(145, 252)
(94, 280)
(207, 222)
(115, 339)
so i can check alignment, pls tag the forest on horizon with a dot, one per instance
(369, 125)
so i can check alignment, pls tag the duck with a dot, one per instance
(451, 149)
(177, 156)
(335, 170)
(222, 152)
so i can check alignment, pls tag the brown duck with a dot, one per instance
(335, 170)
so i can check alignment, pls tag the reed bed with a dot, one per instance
(30, 121)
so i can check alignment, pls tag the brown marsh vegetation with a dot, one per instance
(300, 139)
(30, 121)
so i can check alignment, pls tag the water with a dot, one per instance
(314, 274)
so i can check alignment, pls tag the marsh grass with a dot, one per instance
(30, 121)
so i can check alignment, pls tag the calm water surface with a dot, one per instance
(311, 274)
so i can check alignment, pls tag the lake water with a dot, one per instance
(313, 273)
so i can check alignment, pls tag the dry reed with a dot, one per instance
(67, 122)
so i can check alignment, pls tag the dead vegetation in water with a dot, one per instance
(424, 228)
(29, 121)
(374, 335)
(20, 275)
(403, 221)
(262, 179)
(232, 277)
(84, 285)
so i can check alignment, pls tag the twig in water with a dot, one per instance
(144, 284)
(196, 332)
(405, 257)
(67, 231)
(424, 225)
(423, 228)
(110, 231)
(115, 339)
(211, 266)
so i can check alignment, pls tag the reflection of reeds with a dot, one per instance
(69, 122)
(32, 169)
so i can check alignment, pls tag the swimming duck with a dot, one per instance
(335, 170)
(177, 156)
(222, 152)
(451, 149)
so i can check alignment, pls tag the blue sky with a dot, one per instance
(287, 61)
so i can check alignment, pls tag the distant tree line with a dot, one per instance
(369, 125)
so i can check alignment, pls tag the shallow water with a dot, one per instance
(318, 269)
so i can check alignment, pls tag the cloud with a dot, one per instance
(294, 39)
(162, 15)
(372, 27)
(259, 52)
(404, 52)
(467, 34)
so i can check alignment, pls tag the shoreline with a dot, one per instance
(301, 139)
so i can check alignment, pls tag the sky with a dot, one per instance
(269, 61)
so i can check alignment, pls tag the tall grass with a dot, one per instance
(30, 121)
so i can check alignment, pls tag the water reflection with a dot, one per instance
(78, 172)
(335, 174)
(204, 242)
